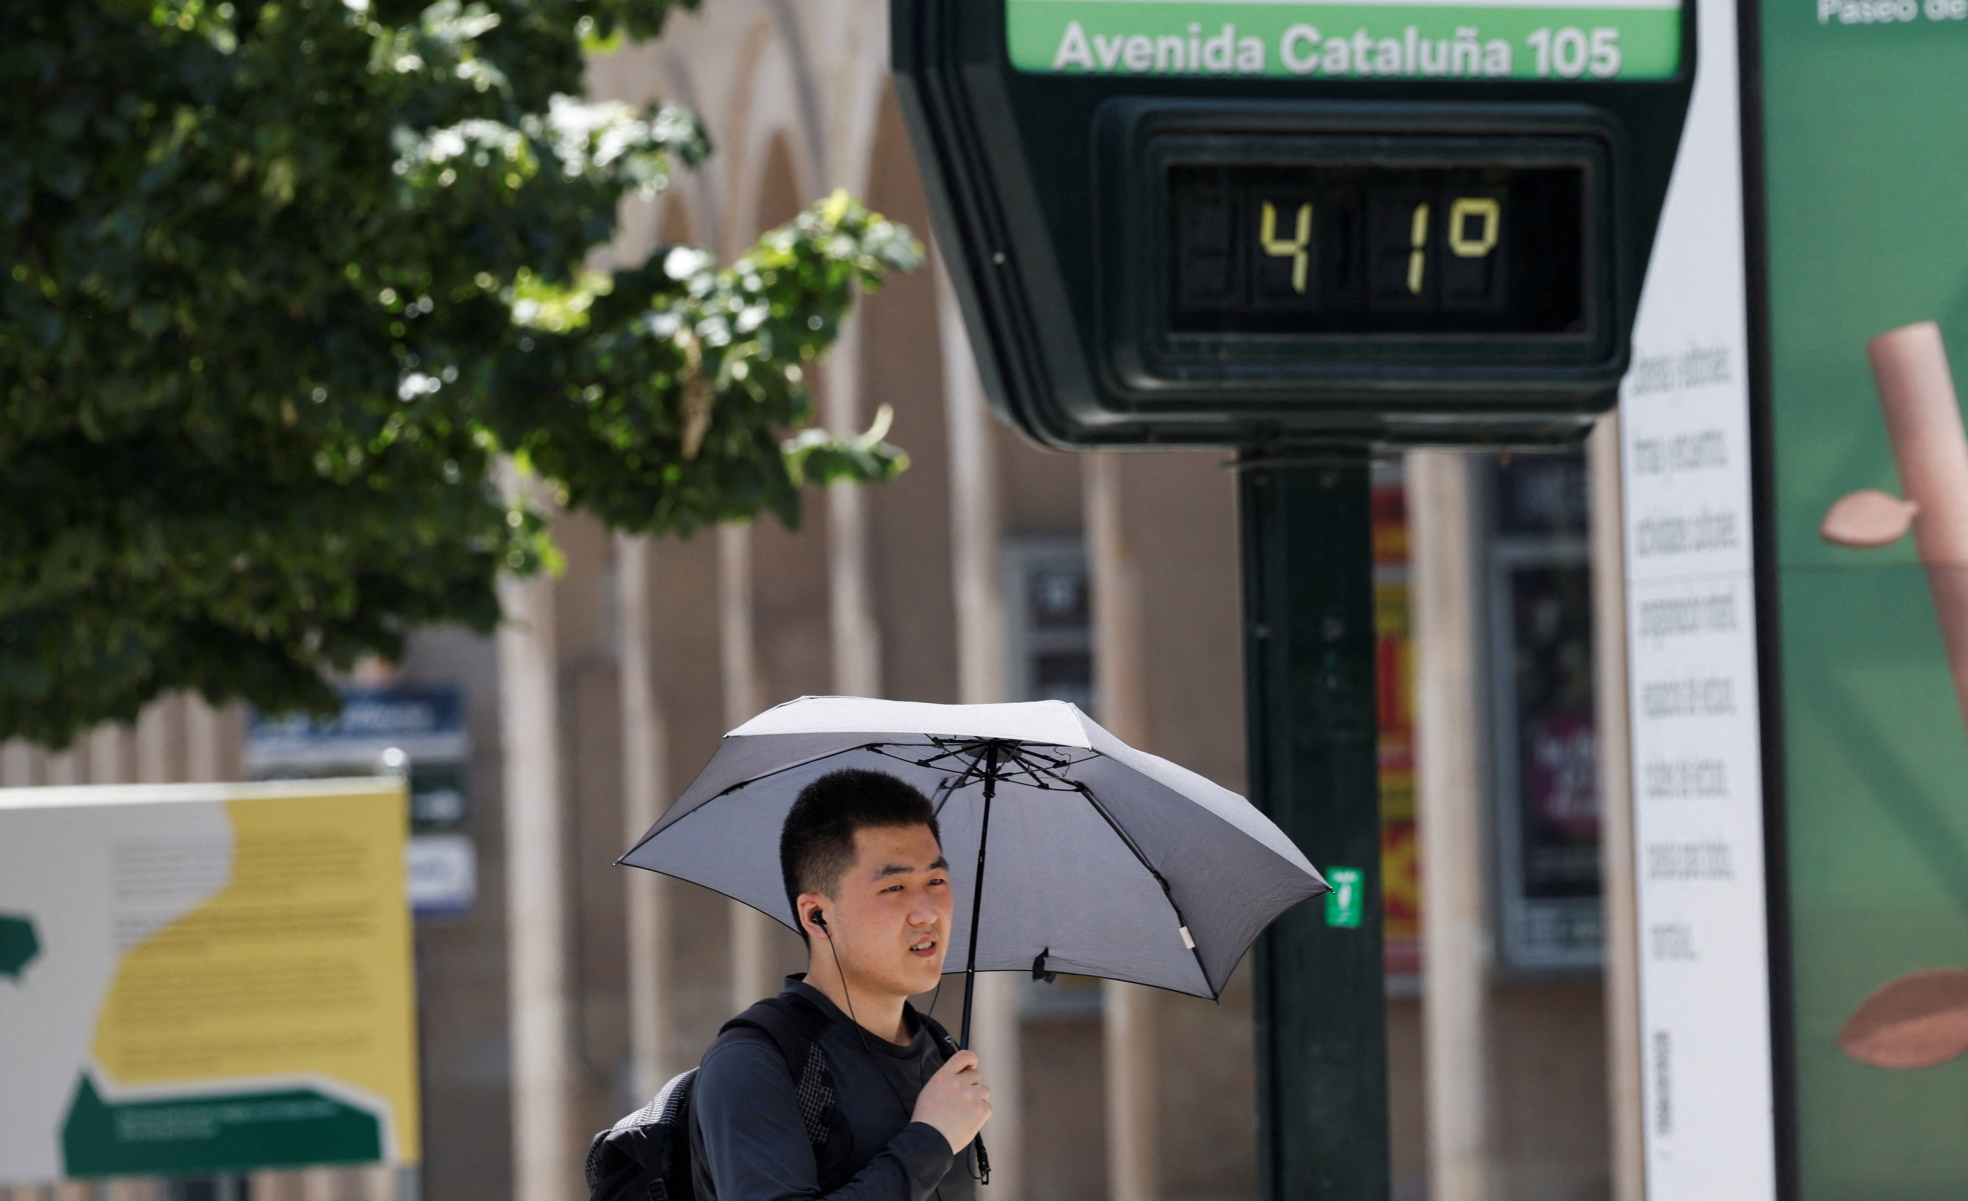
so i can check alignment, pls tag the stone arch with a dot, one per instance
(779, 197)
(863, 81)
(762, 132)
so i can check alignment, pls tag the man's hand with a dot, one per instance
(956, 1100)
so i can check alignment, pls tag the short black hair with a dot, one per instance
(816, 845)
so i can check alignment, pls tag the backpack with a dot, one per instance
(646, 1156)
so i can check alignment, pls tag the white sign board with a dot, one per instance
(1691, 620)
(204, 978)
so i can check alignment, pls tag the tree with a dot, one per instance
(284, 282)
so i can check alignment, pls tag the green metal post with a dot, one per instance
(1314, 768)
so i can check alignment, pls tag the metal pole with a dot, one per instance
(977, 889)
(1314, 769)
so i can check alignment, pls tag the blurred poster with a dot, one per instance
(1694, 686)
(1399, 866)
(1867, 321)
(204, 978)
(416, 731)
(1546, 749)
(389, 730)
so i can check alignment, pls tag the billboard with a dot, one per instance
(204, 978)
(1544, 727)
(1864, 161)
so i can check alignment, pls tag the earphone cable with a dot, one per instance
(862, 1036)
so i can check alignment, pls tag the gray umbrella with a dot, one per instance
(1102, 860)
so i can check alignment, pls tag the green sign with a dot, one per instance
(1864, 112)
(1366, 39)
(273, 1128)
(1346, 902)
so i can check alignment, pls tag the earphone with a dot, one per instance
(820, 919)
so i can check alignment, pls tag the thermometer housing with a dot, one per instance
(1286, 249)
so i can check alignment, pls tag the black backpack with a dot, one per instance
(646, 1156)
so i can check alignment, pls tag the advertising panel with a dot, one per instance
(1545, 749)
(1865, 164)
(1693, 681)
(204, 978)
(1400, 864)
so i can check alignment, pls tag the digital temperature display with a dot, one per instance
(1351, 249)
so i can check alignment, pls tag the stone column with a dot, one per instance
(850, 583)
(1128, 1029)
(1450, 825)
(751, 971)
(645, 767)
(546, 1163)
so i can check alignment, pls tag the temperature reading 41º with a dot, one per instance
(1260, 249)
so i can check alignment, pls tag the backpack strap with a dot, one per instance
(793, 1024)
(949, 1046)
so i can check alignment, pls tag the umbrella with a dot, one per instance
(1100, 859)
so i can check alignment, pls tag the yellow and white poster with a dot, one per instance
(204, 978)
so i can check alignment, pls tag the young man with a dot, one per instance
(864, 870)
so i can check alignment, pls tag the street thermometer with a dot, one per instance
(1306, 229)
(1231, 222)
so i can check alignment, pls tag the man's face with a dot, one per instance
(891, 918)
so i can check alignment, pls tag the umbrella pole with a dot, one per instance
(977, 889)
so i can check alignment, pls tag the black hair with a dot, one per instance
(816, 845)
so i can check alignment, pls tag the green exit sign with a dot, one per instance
(1346, 903)
(1255, 221)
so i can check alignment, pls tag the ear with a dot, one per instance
(807, 905)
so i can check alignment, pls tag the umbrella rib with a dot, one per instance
(946, 790)
(961, 777)
(1027, 750)
(747, 782)
(1034, 767)
(1031, 774)
(952, 748)
(1024, 757)
(1167, 895)
(949, 753)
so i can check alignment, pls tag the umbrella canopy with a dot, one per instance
(1102, 859)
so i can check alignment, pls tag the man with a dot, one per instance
(863, 865)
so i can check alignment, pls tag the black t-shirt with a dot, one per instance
(749, 1143)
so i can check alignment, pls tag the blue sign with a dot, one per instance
(427, 724)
